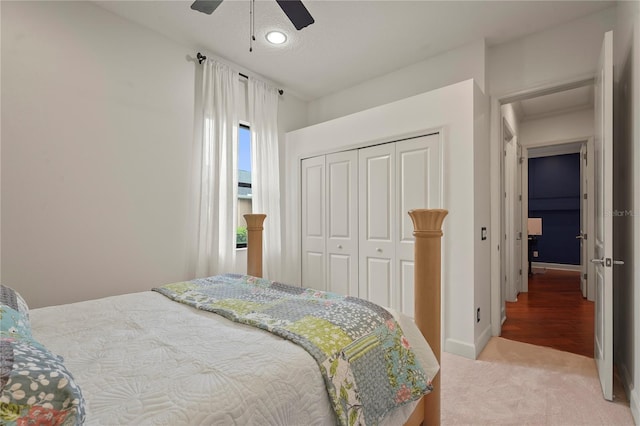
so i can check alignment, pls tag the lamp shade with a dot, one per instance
(534, 226)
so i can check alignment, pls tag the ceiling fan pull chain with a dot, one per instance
(252, 5)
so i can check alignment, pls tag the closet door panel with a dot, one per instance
(341, 270)
(376, 169)
(379, 273)
(313, 223)
(418, 187)
(342, 222)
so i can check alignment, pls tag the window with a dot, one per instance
(244, 183)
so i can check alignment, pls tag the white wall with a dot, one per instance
(97, 128)
(481, 218)
(98, 117)
(576, 125)
(626, 183)
(450, 67)
(558, 54)
(452, 110)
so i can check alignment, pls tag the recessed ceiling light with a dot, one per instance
(276, 37)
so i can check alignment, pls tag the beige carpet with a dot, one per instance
(515, 383)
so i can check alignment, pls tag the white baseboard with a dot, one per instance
(457, 347)
(468, 350)
(482, 340)
(559, 266)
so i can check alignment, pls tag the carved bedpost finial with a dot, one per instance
(428, 220)
(427, 224)
(254, 243)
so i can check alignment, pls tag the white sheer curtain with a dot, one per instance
(216, 157)
(265, 175)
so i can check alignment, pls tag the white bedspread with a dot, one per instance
(144, 359)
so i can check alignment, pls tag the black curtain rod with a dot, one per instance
(201, 58)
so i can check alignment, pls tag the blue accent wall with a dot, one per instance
(554, 195)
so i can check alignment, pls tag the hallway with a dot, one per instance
(553, 313)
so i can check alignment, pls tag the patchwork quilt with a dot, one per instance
(366, 361)
(35, 386)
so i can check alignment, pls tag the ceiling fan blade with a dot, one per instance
(206, 6)
(296, 12)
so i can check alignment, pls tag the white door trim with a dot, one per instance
(497, 223)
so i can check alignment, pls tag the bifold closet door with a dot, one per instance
(394, 179)
(357, 238)
(313, 223)
(330, 223)
(377, 213)
(342, 222)
(418, 186)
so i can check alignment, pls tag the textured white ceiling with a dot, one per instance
(351, 41)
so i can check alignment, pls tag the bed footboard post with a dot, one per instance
(427, 224)
(254, 243)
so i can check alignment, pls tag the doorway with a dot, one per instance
(561, 174)
(552, 124)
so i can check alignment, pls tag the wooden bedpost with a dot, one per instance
(427, 224)
(254, 243)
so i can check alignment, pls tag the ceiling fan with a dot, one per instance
(294, 9)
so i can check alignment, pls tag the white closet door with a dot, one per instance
(342, 222)
(418, 187)
(313, 223)
(376, 170)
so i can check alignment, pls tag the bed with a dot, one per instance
(142, 358)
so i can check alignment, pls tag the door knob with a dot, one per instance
(580, 237)
(379, 250)
(339, 246)
(607, 262)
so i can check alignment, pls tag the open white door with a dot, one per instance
(603, 215)
(517, 219)
(584, 259)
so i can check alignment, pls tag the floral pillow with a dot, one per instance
(35, 386)
(14, 315)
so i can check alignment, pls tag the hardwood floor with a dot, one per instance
(553, 313)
